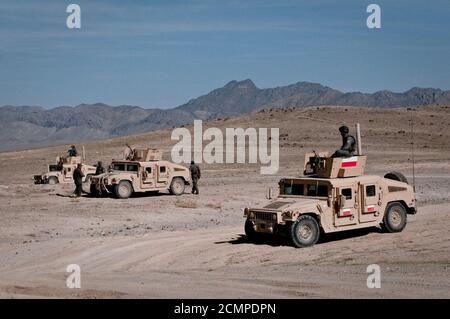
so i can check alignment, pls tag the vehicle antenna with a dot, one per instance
(412, 150)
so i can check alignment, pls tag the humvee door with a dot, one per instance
(346, 212)
(148, 176)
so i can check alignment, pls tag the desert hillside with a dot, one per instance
(25, 127)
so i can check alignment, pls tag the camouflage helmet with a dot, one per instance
(344, 129)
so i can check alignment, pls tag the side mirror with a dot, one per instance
(269, 194)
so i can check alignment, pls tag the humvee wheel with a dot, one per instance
(304, 231)
(123, 190)
(52, 180)
(250, 230)
(177, 186)
(93, 190)
(394, 219)
(396, 176)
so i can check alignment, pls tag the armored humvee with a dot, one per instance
(333, 195)
(62, 171)
(141, 170)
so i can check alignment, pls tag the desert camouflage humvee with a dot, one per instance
(334, 195)
(142, 170)
(62, 171)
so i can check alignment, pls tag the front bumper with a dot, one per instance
(39, 179)
(264, 221)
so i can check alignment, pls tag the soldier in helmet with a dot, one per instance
(72, 151)
(78, 180)
(348, 147)
(195, 175)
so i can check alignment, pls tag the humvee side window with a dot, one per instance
(132, 167)
(312, 190)
(162, 169)
(347, 192)
(370, 191)
(322, 191)
(119, 167)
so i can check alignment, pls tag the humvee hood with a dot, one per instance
(290, 204)
(301, 205)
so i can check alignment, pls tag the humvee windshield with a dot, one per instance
(303, 188)
(125, 167)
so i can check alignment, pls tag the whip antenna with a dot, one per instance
(412, 151)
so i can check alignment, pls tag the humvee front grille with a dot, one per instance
(264, 216)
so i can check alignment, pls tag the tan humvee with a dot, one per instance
(142, 170)
(334, 195)
(62, 171)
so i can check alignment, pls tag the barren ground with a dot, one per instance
(162, 246)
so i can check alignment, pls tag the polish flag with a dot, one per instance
(370, 209)
(349, 162)
(346, 212)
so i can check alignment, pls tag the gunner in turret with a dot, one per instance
(348, 147)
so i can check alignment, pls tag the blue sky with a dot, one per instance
(163, 53)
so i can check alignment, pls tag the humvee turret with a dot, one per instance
(62, 171)
(141, 170)
(333, 195)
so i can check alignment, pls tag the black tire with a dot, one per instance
(52, 180)
(123, 190)
(177, 186)
(304, 232)
(250, 231)
(396, 176)
(395, 218)
(93, 190)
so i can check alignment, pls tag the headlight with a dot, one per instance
(252, 215)
(274, 216)
(287, 214)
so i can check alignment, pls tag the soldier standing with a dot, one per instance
(72, 151)
(348, 143)
(195, 175)
(78, 180)
(100, 169)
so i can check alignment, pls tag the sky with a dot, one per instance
(163, 53)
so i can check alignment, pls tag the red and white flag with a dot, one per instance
(349, 162)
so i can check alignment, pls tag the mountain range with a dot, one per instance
(32, 126)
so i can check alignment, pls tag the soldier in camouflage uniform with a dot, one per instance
(348, 147)
(78, 180)
(72, 151)
(100, 169)
(195, 175)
